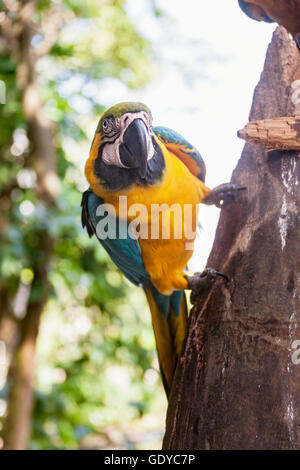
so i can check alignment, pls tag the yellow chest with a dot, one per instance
(165, 243)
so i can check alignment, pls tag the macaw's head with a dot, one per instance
(124, 150)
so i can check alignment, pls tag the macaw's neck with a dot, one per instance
(113, 178)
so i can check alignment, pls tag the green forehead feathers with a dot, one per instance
(121, 108)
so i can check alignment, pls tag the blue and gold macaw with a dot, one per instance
(150, 166)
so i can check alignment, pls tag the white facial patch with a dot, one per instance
(110, 154)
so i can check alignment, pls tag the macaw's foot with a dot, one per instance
(222, 193)
(202, 281)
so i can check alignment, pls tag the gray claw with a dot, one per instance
(221, 193)
(218, 273)
(202, 281)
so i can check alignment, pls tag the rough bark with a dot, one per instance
(236, 385)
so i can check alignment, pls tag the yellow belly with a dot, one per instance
(164, 258)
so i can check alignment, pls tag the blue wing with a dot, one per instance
(125, 252)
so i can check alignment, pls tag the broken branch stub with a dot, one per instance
(282, 133)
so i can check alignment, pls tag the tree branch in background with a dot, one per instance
(20, 402)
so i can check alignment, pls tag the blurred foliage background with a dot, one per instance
(78, 366)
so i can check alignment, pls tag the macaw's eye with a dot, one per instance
(105, 125)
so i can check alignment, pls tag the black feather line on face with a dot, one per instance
(113, 178)
(111, 135)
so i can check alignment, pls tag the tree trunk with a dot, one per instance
(237, 384)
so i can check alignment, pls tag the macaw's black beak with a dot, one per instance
(135, 147)
(297, 40)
